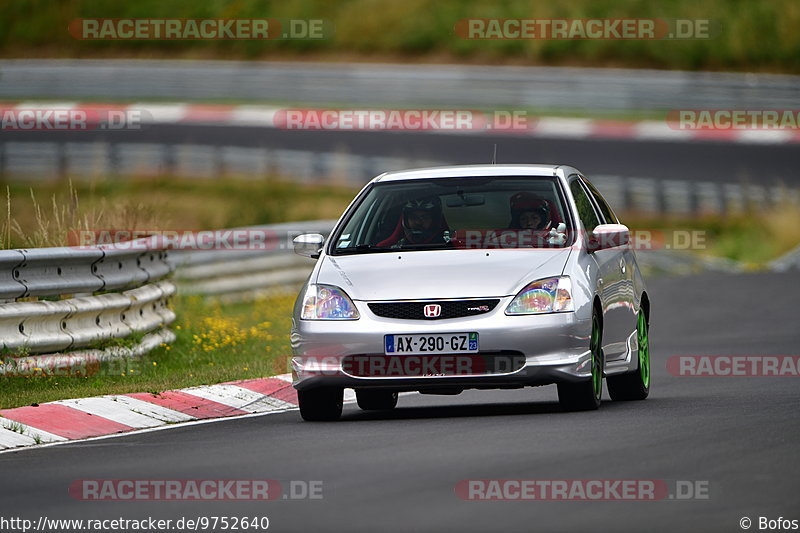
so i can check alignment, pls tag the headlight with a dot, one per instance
(551, 295)
(326, 302)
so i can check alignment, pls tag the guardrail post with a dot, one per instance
(661, 200)
(694, 200)
(219, 161)
(2, 161)
(61, 160)
(113, 159)
(270, 162)
(627, 200)
(723, 201)
(318, 166)
(773, 196)
(367, 167)
(168, 159)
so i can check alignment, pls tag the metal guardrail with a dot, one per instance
(59, 305)
(625, 193)
(86, 361)
(383, 84)
(682, 263)
(73, 270)
(33, 160)
(787, 262)
(43, 326)
(74, 300)
(247, 274)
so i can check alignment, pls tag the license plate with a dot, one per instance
(440, 343)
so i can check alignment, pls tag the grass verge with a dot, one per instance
(44, 216)
(746, 35)
(753, 238)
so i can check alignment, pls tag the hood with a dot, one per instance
(440, 274)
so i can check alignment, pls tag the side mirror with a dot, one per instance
(308, 245)
(609, 236)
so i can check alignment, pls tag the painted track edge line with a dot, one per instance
(146, 430)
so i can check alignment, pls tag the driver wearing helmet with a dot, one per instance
(421, 222)
(529, 211)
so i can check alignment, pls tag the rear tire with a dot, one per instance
(586, 395)
(634, 385)
(376, 400)
(321, 405)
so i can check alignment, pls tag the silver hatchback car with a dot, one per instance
(471, 277)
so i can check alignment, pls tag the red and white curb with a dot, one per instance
(85, 418)
(550, 127)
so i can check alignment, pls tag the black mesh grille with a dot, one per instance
(416, 310)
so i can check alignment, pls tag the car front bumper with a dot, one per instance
(549, 348)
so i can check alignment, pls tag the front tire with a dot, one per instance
(586, 395)
(321, 405)
(376, 400)
(635, 385)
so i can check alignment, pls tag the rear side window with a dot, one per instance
(608, 214)
(584, 205)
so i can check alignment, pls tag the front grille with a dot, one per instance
(416, 310)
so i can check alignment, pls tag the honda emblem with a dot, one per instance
(433, 310)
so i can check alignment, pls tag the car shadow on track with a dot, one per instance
(455, 411)
(487, 409)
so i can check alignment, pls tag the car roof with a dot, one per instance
(465, 171)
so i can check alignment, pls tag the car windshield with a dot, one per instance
(456, 213)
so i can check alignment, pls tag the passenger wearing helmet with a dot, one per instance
(529, 211)
(421, 222)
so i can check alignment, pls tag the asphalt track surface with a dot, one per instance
(398, 471)
(765, 164)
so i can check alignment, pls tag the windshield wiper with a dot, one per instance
(363, 249)
(428, 246)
